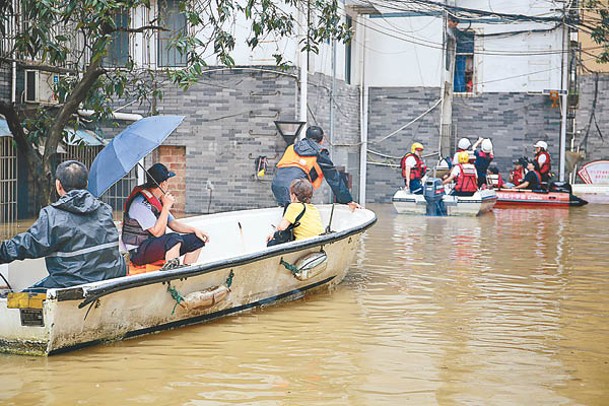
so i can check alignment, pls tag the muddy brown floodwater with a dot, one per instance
(511, 308)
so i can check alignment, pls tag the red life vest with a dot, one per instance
(308, 164)
(467, 181)
(547, 165)
(517, 176)
(417, 171)
(133, 234)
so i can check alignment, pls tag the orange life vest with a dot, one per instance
(417, 171)
(467, 180)
(307, 163)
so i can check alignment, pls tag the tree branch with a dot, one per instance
(70, 107)
(140, 29)
(29, 64)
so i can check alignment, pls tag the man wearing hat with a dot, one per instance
(517, 174)
(532, 179)
(309, 159)
(145, 222)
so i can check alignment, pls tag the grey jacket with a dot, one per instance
(78, 239)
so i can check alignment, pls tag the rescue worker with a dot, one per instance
(76, 235)
(465, 176)
(145, 222)
(484, 156)
(309, 159)
(542, 157)
(413, 169)
(464, 144)
(532, 179)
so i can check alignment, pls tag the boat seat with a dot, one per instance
(136, 270)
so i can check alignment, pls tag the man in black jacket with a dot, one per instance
(309, 159)
(76, 235)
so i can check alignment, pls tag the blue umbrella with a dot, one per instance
(127, 149)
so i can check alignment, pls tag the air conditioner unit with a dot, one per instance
(39, 87)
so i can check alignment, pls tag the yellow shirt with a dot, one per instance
(310, 222)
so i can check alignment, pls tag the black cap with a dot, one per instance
(522, 161)
(159, 173)
(315, 133)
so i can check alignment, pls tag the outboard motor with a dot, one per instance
(433, 191)
(560, 187)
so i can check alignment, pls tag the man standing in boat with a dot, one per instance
(484, 156)
(76, 235)
(542, 157)
(413, 169)
(309, 159)
(145, 222)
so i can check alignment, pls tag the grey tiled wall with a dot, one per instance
(229, 122)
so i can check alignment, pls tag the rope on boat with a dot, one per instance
(289, 267)
(177, 296)
(229, 279)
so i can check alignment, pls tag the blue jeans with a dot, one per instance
(416, 187)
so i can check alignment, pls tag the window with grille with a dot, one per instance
(118, 50)
(464, 63)
(174, 21)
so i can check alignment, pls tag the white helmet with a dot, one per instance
(541, 144)
(486, 146)
(464, 144)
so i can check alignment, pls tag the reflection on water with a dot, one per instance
(509, 308)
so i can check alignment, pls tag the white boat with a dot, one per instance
(585, 189)
(236, 272)
(481, 202)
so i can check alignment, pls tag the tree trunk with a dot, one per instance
(66, 111)
(32, 158)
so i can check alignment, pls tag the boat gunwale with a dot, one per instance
(203, 318)
(128, 282)
(573, 201)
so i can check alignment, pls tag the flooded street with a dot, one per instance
(508, 308)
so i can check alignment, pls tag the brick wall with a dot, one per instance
(174, 157)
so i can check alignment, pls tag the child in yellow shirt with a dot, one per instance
(309, 225)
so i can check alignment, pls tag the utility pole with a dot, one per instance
(304, 65)
(562, 145)
(448, 71)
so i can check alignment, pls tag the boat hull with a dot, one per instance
(134, 305)
(481, 202)
(516, 197)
